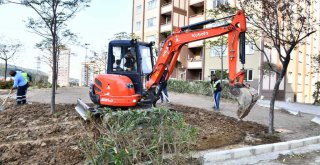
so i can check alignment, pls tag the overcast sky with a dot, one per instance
(94, 25)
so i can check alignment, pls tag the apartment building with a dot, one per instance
(154, 20)
(87, 73)
(214, 56)
(301, 78)
(63, 69)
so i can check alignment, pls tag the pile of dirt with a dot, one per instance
(216, 130)
(30, 134)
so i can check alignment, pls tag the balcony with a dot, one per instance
(166, 27)
(194, 64)
(195, 2)
(195, 44)
(166, 8)
(196, 18)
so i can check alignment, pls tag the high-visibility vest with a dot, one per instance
(215, 85)
(25, 75)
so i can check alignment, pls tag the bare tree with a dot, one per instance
(219, 45)
(8, 49)
(283, 25)
(100, 61)
(124, 36)
(51, 24)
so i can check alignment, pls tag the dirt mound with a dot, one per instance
(30, 134)
(216, 130)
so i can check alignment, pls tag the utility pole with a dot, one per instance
(86, 66)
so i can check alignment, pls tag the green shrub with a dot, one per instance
(197, 87)
(6, 84)
(135, 136)
(316, 93)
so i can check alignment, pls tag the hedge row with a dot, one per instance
(197, 87)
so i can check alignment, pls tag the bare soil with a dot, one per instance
(216, 130)
(31, 135)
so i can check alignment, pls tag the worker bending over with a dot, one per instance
(21, 83)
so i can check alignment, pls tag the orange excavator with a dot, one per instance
(133, 71)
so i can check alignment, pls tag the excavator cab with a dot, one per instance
(129, 63)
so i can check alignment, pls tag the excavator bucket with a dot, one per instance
(246, 97)
(83, 109)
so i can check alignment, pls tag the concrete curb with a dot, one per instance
(212, 157)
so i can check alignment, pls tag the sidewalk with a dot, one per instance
(295, 107)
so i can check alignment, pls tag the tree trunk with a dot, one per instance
(57, 72)
(272, 101)
(53, 91)
(54, 57)
(5, 69)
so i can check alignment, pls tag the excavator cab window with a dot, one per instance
(146, 59)
(125, 59)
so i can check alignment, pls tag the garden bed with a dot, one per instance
(29, 134)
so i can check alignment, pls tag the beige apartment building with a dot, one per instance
(87, 73)
(90, 69)
(154, 20)
(301, 79)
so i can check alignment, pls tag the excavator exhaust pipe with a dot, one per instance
(246, 97)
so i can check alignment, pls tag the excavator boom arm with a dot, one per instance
(172, 46)
(170, 52)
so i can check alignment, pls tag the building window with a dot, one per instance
(152, 22)
(138, 25)
(217, 3)
(139, 9)
(152, 4)
(249, 75)
(216, 51)
(151, 38)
